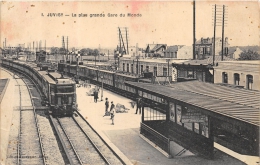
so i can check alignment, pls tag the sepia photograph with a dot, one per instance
(130, 82)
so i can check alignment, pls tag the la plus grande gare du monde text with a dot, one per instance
(91, 15)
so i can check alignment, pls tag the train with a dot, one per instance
(111, 80)
(58, 92)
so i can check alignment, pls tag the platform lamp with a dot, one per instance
(137, 58)
(77, 54)
(101, 88)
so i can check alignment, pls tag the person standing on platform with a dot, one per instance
(112, 107)
(106, 106)
(112, 112)
(138, 105)
(95, 96)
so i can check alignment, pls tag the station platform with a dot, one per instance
(10, 99)
(125, 133)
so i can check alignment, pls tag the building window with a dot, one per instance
(175, 55)
(171, 54)
(136, 68)
(190, 74)
(132, 68)
(142, 69)
(182, 73)
(152, 114)
(123, 66)
(147, 68)
(155, 71)
(127, 67)
(208, 50)
(224, 77)
(164, 71)
(236, 79)
(249, 81)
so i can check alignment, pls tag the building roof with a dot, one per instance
(154, 60)
(208, 61)
(154, 47)
(237, 103)
(172, 48)
(209, 40)
(251, 66)
(251, 62)
(246, 48)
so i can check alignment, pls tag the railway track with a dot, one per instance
(34, 142)
(82, 144)
(29, 148)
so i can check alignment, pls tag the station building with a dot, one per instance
(201, 70)
(244, 74)
(160, 68)
(196, 114)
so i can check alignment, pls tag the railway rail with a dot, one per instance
(82, 144)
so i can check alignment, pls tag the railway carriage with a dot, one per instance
(111, 80)
(58, 92)
(83, 71)
(73, 69)
(106, 77)
(120, 86)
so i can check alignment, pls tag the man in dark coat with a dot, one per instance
(95, 96)
(138, 105)
(106, 107)
(111, 108)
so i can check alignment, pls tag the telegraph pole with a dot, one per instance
(223, 25)
(194, 29)
(67, 48)
(214, 43)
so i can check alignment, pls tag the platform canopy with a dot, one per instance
(241, 104)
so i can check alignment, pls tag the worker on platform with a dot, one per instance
(106, 107)
(95, 95)
(112, 112)
(112, 107)
(138, 105)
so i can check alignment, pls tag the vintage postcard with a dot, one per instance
(129, 82)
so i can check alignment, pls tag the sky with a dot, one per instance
(169, 22)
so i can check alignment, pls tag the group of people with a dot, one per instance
(112, 110)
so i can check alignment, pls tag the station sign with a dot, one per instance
(192, 116)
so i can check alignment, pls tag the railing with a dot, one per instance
(157, 138)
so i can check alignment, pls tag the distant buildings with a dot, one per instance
(155, 50)
(135, 51)
(235, 51)
(204, 47)
(178, 52)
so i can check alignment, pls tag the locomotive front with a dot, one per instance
(64, 97)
